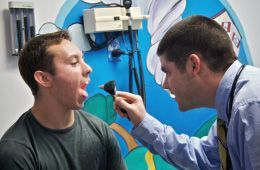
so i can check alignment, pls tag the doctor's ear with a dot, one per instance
(194, 63)
(43, 78)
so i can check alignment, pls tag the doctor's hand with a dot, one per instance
(132, 104)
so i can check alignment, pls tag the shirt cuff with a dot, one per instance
(148, 130)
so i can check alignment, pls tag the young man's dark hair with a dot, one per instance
(200, 35)
(35, 56)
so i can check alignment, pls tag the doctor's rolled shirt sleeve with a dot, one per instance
(181, 151)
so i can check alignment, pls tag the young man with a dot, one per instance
(54, 133)
(202, 71)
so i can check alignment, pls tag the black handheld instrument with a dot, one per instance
(110, 87)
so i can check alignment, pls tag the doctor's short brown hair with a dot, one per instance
(198, 35)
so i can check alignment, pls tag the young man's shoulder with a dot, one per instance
(14, 144)
(18, 131)
(88, 120)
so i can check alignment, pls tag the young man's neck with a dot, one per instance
(51, 115)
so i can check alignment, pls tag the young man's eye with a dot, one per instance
(74, 63)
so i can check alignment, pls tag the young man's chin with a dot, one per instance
(79, 106)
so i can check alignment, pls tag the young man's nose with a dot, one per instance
(87, 68)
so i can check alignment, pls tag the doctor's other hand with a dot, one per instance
(132, 104)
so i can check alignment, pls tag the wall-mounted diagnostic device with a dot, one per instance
(22, 24)
(112, 19)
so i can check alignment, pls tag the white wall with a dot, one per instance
(16, 96)
(248, 12)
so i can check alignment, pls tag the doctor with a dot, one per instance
(202, 70)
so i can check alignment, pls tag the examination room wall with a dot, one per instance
(15, 96)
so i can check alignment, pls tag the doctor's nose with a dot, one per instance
(165, 84)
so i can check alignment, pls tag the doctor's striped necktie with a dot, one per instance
(225, 161)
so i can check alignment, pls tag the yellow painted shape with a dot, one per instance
(149, 160)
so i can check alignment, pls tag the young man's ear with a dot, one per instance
(193, 64)
(43, 78)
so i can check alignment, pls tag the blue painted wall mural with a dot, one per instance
(159, 103)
